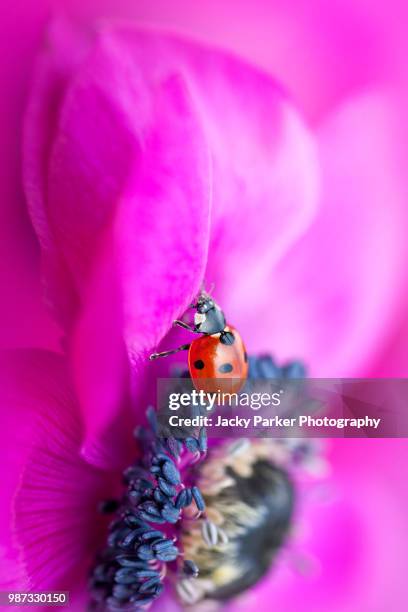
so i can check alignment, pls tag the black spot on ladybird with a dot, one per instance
(225, 368)
(199, 364)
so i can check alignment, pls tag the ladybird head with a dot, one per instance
(209, 318)
(204, 303)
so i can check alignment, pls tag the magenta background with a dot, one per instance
(335, 49)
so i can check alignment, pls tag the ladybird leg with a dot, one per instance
(226, 337)
(178, 323)
(183, 347)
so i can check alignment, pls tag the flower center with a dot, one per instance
(249, 503)
(210, 521)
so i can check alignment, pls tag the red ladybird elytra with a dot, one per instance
(217, 360)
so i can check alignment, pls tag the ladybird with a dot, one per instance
(217, 360)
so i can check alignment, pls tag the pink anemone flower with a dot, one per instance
(152, 163)
(52, 528)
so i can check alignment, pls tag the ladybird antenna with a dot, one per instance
(211, 289)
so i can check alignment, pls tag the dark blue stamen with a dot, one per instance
(146, 599)
(266, 367)
(128, 573)
(167, 489)
(154, 519)
(133, 473)
(160, 497)
(147, 574)
(145, 552)
(171, 473)
(184, 498)
(120, 591)
(133, 562)
(133, 521)
(192, 445)
(159, 458)
(134, 497)
(168, 554)
(202, 440)
(173, 446)
(143, 485)
(152, 418)
(127, 576)
(149, 585)
(130, 538)
(117, 537)
(151, 535)
(294, 369)
(170, 513)
(150, 508)
(198, 498)
(162, 544)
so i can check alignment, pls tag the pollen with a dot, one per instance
(248, 517)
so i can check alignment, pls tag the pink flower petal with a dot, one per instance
(320, 52)
(265, 193)
(22, 314)
(127, 193)
(51, 77)
(263, 157)
(129, 164)
(343, 280)
(49, 494)
(127, 208)
(101, 369)
(349, 556)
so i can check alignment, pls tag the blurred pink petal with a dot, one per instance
(127, 206)
(334, 296)
(48, 492)
(123, 209)
(101, 370)
(349, 556)
(23, 317)
(264, 162)
(319, 51)
(393, 360)
(267, 203)
(51, 77)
